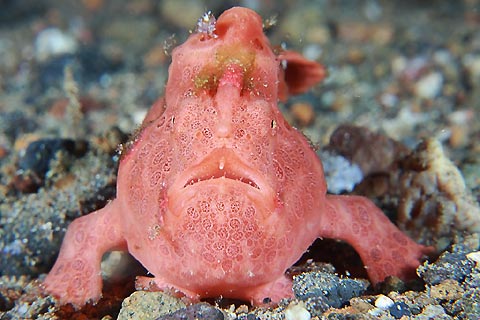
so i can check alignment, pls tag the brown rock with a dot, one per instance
(373, 152)
(434, 200)
(303, 113)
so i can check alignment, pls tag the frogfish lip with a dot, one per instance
(223, 168)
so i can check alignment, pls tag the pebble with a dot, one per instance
(383, 302)
(474, 256)
(372, 152)
(303, 113)
(318, 34)
(312, 51)
(53, 42)
(35, 161)
(399, 309)
(197, 311)
(428, 172)
(39, 153)
(149, 306)
(459, 136)
(433, 312)
(429, 86)
(448, 266)
(297, 311)
(355, 56)
(447, 290)
(322, 290)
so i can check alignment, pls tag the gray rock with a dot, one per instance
(148, 305)
(322, 290)
(195, 312)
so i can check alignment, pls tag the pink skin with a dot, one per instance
(218, 195)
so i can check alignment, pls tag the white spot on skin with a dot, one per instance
(221, 163)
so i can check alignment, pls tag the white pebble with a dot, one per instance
(383, 302)
(312, 51)
(53, 41)
(297, 312)
(474, 256)
(429, 86)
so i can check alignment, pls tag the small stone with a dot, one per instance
(51, 42)
(432, 312)
(399, 309)
(447, 290)
(148, 305)
(450, 265)
(429, 86)
(435, 200)
(326, 290)
(474, 256)
(297, 311)
(155, 56)
(383, 302)
(459, 136)
(318, 34)
(197, 311)
(355, 56)
(303, 113)
(372, 152)
(38, 154)
(35, 161)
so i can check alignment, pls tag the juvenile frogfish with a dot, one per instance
(218, 195)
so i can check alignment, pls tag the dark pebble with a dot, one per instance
(194, 312)
(448, 266)
(39, 153)
(325, 290)
(372, 152)
(87, 64)
(399, 309)
(35, 163)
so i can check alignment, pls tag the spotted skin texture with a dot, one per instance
(218, 195)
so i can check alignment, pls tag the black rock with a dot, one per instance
(35, 162)
(450, 265)
(399, 309)
(39, 153)
(326, 290)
